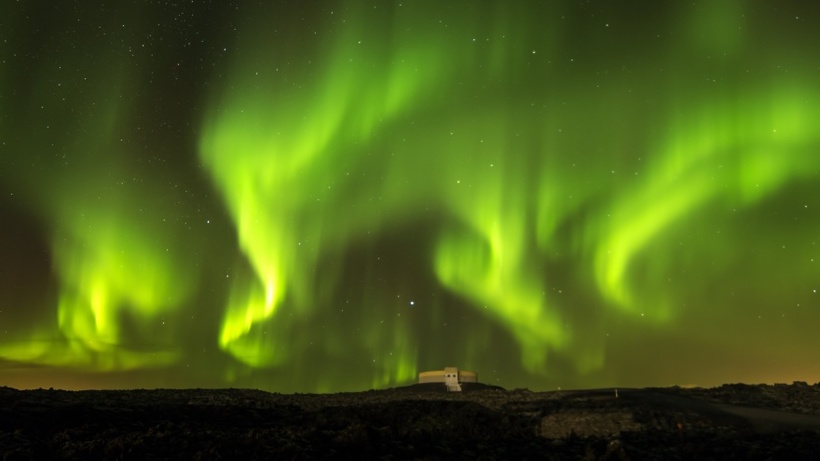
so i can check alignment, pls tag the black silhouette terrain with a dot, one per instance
(414, 422)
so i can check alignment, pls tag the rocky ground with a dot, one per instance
(414, 422)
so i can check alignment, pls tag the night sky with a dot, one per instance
(317, 196)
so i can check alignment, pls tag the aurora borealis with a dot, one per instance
(331, 196)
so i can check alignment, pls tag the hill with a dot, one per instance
(420, 421)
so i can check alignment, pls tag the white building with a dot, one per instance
(451, 377)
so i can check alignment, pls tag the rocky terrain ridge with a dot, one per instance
(415, 422)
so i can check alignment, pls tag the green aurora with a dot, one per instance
(334, 196)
